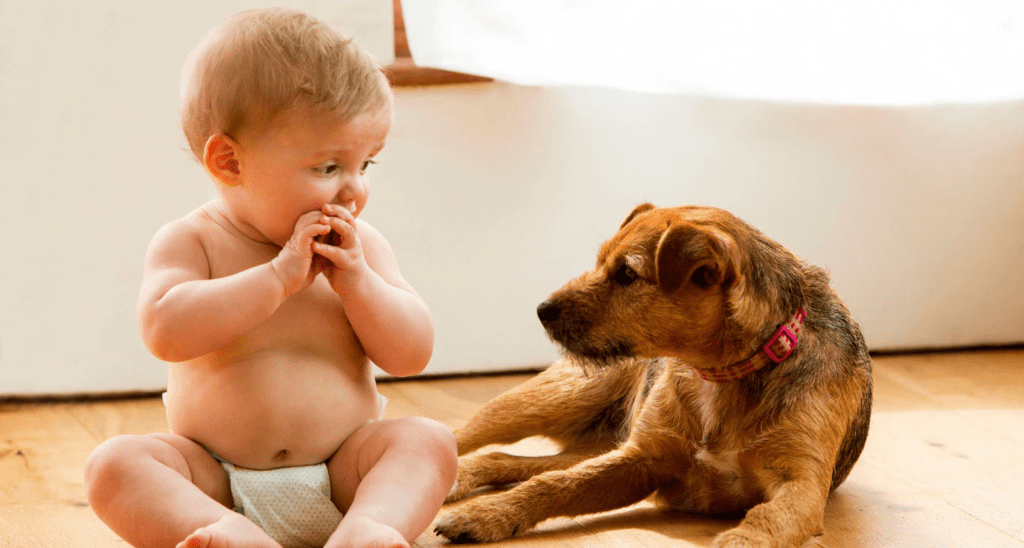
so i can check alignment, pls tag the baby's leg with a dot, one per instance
(390, 478)
(158, 490)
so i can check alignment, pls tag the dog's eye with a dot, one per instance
(624, 275)
(703, 277)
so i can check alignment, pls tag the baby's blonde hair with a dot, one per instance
(261, 63)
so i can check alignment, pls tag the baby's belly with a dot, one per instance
(272, 409)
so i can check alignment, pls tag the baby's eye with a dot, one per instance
(326, 169)
(366, 165)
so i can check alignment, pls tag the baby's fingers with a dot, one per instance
(308, 234)
(341, 212)
(346, 232)
(337, 256)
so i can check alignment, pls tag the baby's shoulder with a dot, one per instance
(373, 242)
(187, 229)
(183, 239)
(193, 224)
(364, 228)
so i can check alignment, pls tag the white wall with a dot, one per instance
(492, 196)
(495, 195)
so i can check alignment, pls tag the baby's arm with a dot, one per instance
(183, 314)
(391, 320)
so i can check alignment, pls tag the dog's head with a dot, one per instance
(695, 283)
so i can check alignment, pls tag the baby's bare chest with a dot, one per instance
(312, 321)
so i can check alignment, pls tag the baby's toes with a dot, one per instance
(232, 531)
(365, 532)
(198, 539)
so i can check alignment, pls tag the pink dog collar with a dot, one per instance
(778, 348)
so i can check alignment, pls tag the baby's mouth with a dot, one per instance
(331, 238)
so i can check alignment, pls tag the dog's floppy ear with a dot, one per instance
(689, 253)
(636, 211)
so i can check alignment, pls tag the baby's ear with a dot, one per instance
(220, 157)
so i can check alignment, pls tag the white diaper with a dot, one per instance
(293, 505)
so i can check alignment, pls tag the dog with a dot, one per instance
(704, 364)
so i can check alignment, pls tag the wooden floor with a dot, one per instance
(943, 466)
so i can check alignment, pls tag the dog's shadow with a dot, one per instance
(644, 520)
(631, 524)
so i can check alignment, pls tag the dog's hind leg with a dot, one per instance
(565, 402)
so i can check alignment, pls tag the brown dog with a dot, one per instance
(706, 364)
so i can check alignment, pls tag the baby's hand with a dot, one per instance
(294, 264)
(345, 253)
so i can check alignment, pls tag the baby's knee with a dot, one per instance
(107, 462)
(113, 460)
(429, 432)
(431, 438)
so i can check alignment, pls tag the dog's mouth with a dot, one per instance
(570, 329)
(604, 354)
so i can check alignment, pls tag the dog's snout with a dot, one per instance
(548, 311)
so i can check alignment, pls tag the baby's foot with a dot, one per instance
(232, 531)
(359, 532)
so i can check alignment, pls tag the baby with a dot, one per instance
(271, 301)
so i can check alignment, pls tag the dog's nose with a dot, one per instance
(548, 311)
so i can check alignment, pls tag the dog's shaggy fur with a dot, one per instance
(677, 289)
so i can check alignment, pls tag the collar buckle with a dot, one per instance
(778, 348)
(785, 339)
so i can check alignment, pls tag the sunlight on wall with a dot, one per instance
(885, 52)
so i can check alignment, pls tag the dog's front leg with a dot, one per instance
(792, 515)
(502, 468)
(613, 480)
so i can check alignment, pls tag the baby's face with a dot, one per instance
(307, 161)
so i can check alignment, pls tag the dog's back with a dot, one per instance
(850, 356)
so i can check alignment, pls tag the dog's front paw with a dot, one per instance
(479, 522)
(465, 483)
(741, 537)
(458, 491)
(479, 471)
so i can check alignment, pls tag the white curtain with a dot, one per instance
(875, 52)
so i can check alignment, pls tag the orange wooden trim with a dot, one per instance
(401, 42)
(404, 72)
